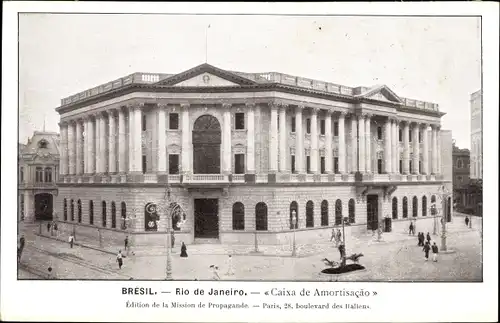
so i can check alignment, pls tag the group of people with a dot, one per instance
(337, 236)
(427, 246)
(230, 269)
(52, 225)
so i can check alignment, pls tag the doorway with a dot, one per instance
(43, 206)
(206, 218)
(372, 212)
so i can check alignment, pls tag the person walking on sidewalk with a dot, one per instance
(333, 235)
(428, 238)
(215, 274)
(126, 243)
(411, 230)
(230, 269)
(435, 251)
(71, 240)
(184, 251)
(467, 221)
(427, 248)
(119, 258)
(22, 241)
(48, 227)
(339, 236)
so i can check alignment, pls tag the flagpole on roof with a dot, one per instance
(206, 44)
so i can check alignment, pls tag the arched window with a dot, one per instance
(338, 212)
(65, 210)
(48, 175)
(261, 216)
(79, 206)
(324, 213)
(309, 214)
(394, 208)
(124, 215)
(415, 207)
(103, 213)
(113, 215)
(424, 205)
(72, 208)
(352, 216)
(238, 216)
(294, 208)
(91, 212)
(405, 207)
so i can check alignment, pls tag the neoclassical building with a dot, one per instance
(241, 154)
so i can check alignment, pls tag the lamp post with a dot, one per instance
(171, 208)
(294, 227)
(444, 193)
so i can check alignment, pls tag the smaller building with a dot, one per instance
(476, 135)
(38, 163)
(461, 178)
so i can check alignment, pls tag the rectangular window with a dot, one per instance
(308, 125)
(308, 164)
(400, 166)
(239, 164)
(400, 135)
(239, 121)
(173, 164)
(379, 166)
(336, 165)
(379, 133)
(144, 164)
(322, 162)
(173, 121)
(293, 124)
(336, 129)
(144, 122)
(322, 127)
(419, 136)
(409, 135)
(292, 164)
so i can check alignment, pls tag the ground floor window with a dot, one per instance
(238, 216)
(324, 213)
(352, 216)
(338, 212)
(394, 208)
(261, 217)
(309, 214)
(294, 211)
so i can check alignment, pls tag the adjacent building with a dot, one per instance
(461, 179)
(243, 157)
(38, 162)
(476, 138)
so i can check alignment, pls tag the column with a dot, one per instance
(368, 144)
(130, 137)
(186, 162)
(354, 144)
(71, 148)
(64, 148)
(29, 216)
(388, 147)
(342, 151)
(90, 148)
(425, 157)
(162, 140)
(79, 147)
(406, 148)
(112, 142)
(299, 141)
(328, 142)
(416, 146)
(97, 149)
(273, 139)
(361, 143)
(434, 150)
(227, 149)
(395, 146)
(314, 141)
(85, 145)
(122, 143)
(250, 164)
(283, 165)
(138, 138)
(102, 143)
(438, 155)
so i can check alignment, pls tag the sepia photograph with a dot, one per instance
(232, 160)
(149, 153)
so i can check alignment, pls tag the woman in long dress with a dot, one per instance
(183, 250)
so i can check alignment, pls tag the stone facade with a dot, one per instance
(269, 140)
(476, 154)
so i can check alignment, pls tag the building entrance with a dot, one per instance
(43, 206)
(372, 212)
(206, 218)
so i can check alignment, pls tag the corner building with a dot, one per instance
(239, 153)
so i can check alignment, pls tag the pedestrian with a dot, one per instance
(428, 237)
(22, 241)
(71, 240)
(435, 251)
(55, 228)
(215, 274)
(184, 250)
(339, 235)
(126, 243)
(230, 270)
(333, 236)
(48, 226)
(411, 229)
(49, 275)
(342, 250)
(119, 258)
(467, 221)
(421, 239)
(426, 249)
(19, 254)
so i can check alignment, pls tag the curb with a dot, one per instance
(76, 244)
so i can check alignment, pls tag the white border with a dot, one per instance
(99, 301)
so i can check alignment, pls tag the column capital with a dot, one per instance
(404, 122)
(361, 116)
(367, 115)
(185, 105)
(63, 123)
(436, 127)
(424, 125)
(227, 106)
(415, 124)
(314, 110)
(161, 106)
(250, 105)
(342, 114)
(300, 107)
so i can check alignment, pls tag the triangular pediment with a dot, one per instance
(206, 75)
(381, 93)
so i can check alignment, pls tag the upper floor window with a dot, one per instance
(173, 164)
(239, 164)
(48, 174)
(400, 135)
(419, 136)
(173, 121)
(239, 121)
(308, 125)
(144, 122)
(43, 143)
(322, 127)
(293, 124)
(335, 129)
(39, 174)
(379, 133)
(409, 135)
(21, 175)
(460, 163)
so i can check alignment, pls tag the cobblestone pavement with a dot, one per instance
(396, 258)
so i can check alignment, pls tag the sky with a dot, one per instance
(424, 58)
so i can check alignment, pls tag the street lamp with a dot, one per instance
(170, 208)
(443, 195)
(294, 227)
